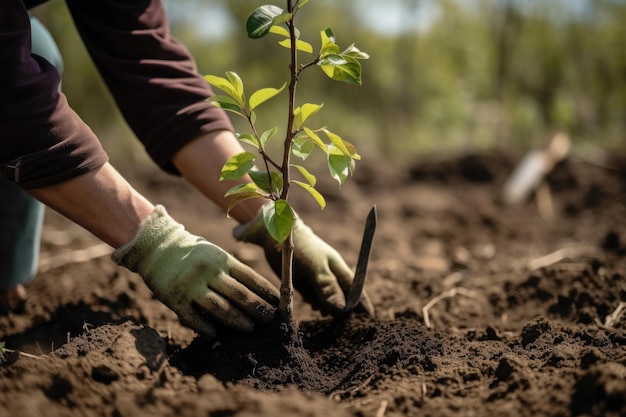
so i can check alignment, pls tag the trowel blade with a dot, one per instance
(364, 255)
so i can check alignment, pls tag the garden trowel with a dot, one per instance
(361, 267)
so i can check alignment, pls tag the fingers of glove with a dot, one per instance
(345, 277)
(246, 300)
(365, 305)
(252, 298)
(222, 311)
(253, 281)
(329, 292)
(197, 322)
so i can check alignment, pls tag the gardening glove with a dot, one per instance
(320, 274)
(195, 278)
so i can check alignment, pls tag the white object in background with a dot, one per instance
(533, 168)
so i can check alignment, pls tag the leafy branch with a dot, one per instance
(273, 181)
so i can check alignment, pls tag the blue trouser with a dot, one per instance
(21, 216)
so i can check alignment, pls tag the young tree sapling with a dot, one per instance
(274, 178)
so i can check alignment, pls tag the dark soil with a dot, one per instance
(469, 320)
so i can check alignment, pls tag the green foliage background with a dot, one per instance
(483, 74)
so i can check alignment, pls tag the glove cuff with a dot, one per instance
(153, 230)
(253, 231)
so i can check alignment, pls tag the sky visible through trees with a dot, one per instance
(391, 17)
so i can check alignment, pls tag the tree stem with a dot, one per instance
(286, 288)
(285, 306)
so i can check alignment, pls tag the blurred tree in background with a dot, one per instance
(444, 76)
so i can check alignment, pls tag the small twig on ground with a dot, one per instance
(29, 355)
(74, 256)
(556, 257)
(612, 318)
(596, 157)
(335, 394)
(382, 409)
(452, 292)
(4, 350)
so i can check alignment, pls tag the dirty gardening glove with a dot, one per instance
(195, 278)
(320, 274)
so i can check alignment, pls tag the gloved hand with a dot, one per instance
(320, 273)
(195, 278)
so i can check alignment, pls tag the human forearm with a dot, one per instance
(101, 201)
(201, 161)
(199, 281)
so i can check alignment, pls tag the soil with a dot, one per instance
(472, 319)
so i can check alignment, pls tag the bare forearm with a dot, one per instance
(101, 201)
(201, 161)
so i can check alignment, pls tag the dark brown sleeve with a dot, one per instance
(43, 142)
(152, 76)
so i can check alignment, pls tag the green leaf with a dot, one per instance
(237, 166)
(355, 53)
(300, 45)
(277, 182)
(235, 80)
(328, 36)
(242, 192)
(246, 188)
(249, 139)
(264, 94)
(227, 103)
(329, 50)
(316, 194)
(339, 165)
(332, 60)
(302, 113)
(316, 139)
(279, 30)
(261, 20)
(307, 175)
(238, 198)
(262, 180)
(304, 46)
(329, 47)
(226, 86)
(300, 3)
(352, 150)
(348, 72)
(338, 142)
(302, 147)
(267, 135)
(279, 219)
(283, 18)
